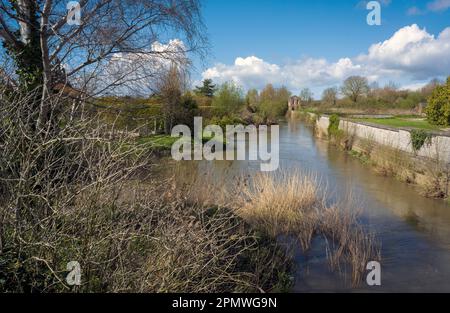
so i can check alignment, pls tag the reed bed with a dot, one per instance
(293, 203)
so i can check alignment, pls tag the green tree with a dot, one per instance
(188, 110)
(228, 100)
(252, 100)
(438, 109)
(282, 97)
(207, 89)
(273, 103)
(268, 93)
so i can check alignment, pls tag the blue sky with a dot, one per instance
(279, 40)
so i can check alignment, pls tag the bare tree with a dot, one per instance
(329, 95)
(427, 90)
(354, 87)
(47, 50)
(170, 89)
(306, 95)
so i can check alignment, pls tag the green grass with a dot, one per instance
(160, 142)
(164, 142)
(400, 122)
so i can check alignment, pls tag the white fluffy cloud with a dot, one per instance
(134, 73)
(411, 51)
(410, 55)
(253, 72)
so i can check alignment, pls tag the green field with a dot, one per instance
(400, 122)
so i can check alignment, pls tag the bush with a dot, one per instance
(333, 128)
(187, 111)
(412, 100)
(228, 100)
(273, 103)
(226, 120)
(272, 110)
(129, 113)
(418, 139)
(438, 109)
(203, 101)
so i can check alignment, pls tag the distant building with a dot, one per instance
(294, 103)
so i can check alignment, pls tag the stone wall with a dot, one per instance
(439, 149)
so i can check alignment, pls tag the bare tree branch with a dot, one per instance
(108, 28)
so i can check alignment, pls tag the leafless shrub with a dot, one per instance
(75, 191)
(45, 174)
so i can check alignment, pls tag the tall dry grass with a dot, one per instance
(293, 203)
(277, 203)
(348, 242)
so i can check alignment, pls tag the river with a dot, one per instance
(414, 231)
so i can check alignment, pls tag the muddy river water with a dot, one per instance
(414, 231)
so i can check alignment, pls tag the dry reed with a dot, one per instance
(292, 203)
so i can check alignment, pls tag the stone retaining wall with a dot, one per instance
(438, 149)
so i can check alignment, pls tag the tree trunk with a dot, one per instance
(29, 56)
(46, 70)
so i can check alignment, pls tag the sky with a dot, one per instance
(317, 44)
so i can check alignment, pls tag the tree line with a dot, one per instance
(357, 92)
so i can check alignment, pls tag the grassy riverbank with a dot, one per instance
(430, 175)
(401, 122)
